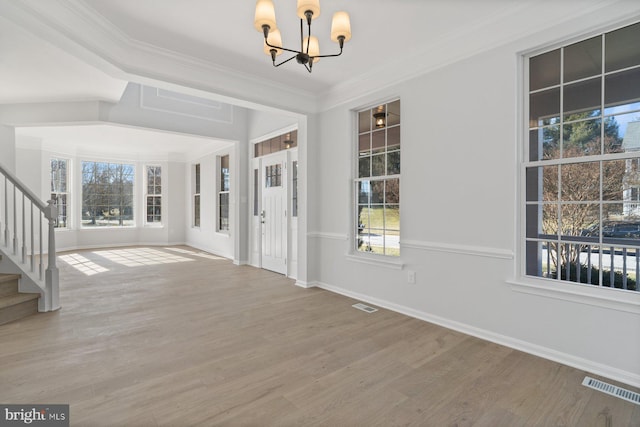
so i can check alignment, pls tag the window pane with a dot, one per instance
(544, 70)
(223, 203)
(581, 138)
(197, 178)
(580, 182)
(378, 141)
(393, 163)
(364, 167)
(392, 230)
(364, 192)
(583, 59)
(622, 89)
(255, 191)
(107, 198)
(196, 211)
(377, 165)
(622, 48)
(549, 184)
(377, 191)
(393, 138)
(582, 100)
(364, 144)
(577, 218)
(392, 191)
(393, 113)
(544, 143)
(364, 121)
(544, 108)
(617, 175)
(379, 117)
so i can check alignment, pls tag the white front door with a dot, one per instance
(274, 213)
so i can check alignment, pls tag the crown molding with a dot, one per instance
(75, 28)
(458, 45)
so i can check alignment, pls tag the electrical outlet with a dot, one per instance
(411, 276)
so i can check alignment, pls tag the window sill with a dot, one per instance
(379, 261)
(615, 299)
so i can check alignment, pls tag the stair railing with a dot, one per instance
(23, 217)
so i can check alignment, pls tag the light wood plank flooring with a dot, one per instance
(176, 337)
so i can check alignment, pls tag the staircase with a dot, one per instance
(14, 305)
(28, 271)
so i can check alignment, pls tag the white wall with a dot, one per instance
(206, 237)
(459, 204)
(32, 168)
(8, 147)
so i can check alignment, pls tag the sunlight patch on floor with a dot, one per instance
(82, 264)
(198, 254)
(136, 257)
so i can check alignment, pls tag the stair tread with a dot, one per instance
(9, 300)
(8, 277)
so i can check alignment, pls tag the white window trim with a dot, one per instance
(146, 194)
(580, 293)
(133, 199)
(67, 227)
(220, 192)
(388, 261)
(194, 188)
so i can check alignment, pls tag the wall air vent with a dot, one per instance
(627, 395)
(363, 307)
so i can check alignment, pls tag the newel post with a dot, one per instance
(52, 297)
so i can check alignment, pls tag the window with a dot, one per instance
(60, 190)
(581, 156)
(273, 176)
(107, 194)
(281, 142)
(223, 195)
(154, 195)
(196, 196)
(294, 190)
(256, 187)
(377, 186)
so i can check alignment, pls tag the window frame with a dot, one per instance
(196, 199)
(67, 194)
(134, 183)
(599, 295)
(159, 196)
(224, 191)
(380, 259)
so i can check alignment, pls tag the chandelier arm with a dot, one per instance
(283, 62)
(281, 48)
(328, 56)
(308, 36)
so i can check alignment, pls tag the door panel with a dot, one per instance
(273, 215)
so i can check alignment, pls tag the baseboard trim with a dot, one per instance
(626, 377)
(306, 285)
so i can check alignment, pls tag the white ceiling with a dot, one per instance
(65, 50)
(391, 39)
(34, 70)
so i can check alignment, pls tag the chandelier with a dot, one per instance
(309, 53)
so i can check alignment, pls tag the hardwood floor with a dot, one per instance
(176, 337)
